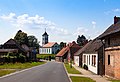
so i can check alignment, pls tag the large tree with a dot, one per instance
(21, 37)
(33, 42)
(81, 40)
(62, 44)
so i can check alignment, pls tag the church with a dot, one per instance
(48, 47)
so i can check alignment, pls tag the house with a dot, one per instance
(67, 53)
(73, 48)
(11, 46)
(78, 55)
(93, 57)
(49, 48)
(62, 55)
(111, 40)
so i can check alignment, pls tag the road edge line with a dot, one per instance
(18, 72)
(67, 73)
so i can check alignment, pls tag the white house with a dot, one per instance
(78, 55)
(93, 57)
(49, 48)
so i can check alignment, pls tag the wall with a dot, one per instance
(76, 60)
(89, 62)
(55, 48)
(113, 69)
(114, 40)
(45, 50)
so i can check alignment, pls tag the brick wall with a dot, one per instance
(113, 69)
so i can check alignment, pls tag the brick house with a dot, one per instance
(111, 40)
(62, 54)
(67, 53)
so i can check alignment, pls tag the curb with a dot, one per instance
(19, 71)
(67, 73)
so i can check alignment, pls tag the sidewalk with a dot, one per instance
(89, 74)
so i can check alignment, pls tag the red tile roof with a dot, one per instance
(50, 44)
(63, 51)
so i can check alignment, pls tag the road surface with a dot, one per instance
(49, 72)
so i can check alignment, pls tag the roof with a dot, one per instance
(8, 50)
(45, 34)
(49, 44)
(25, 47)
(80, 51)
(11, 42)
(90, 47)
(63, 51)
(114, 28)
(74, 48)
(94, 46)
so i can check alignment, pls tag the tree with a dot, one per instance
(33, 42)
(62, 44)
(81, 40)
(21, 37)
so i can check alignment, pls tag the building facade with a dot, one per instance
(111, 39)
(49, 48)
(44, 38)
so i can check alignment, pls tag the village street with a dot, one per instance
(49, 72)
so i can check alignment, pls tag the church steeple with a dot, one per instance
(45, 38)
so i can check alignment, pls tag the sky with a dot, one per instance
(63, 20)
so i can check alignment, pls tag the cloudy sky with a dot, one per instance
(63, 19)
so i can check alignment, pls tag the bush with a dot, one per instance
(85, 66)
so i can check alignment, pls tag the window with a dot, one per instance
(84, 58)
(93, 60)
(108, 59)
(89, 59)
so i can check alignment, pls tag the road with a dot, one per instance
(49, 72)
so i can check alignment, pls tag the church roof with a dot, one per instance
(49, 44)
(45, 34)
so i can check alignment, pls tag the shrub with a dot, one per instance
(85, 66)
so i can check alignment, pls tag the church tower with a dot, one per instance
(45, 38)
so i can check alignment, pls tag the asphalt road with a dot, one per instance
(49, 72)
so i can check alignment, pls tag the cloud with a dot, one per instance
(94, 24)
(32, 22)
(116, 10)
(80, 31)
(113, 11)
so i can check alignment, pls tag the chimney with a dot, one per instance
(116, 19)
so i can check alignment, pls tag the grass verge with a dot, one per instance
(71, 70)
(5, 72)
(115, 80)
(81, 79)
(20, 65)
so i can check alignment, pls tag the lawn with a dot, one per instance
(4, 72)
(81, 79)
(20, 65)
(115, 80)
(71, 70)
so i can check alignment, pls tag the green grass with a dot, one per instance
(115, 80)
(5, 72)
(45, 56)
(81, 79)
(71, 70)
(20, 65)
